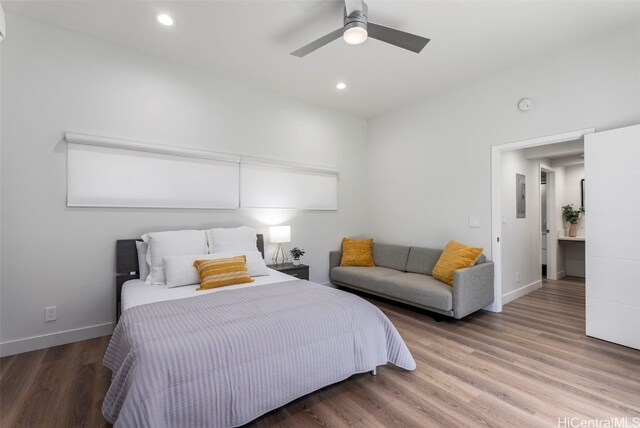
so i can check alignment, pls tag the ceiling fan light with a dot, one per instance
(355, 35)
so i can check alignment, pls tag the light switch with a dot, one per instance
(474, 221)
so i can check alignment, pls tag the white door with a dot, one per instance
(612, 233)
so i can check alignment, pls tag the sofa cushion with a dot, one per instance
(422, 260)
(421, 289)
(360, 276)
(390, 256)
(409, 287)
(455, 256)
(357, 252)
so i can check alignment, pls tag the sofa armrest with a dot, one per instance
(334, 259)
(472, 289)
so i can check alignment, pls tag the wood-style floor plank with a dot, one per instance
(526, 366)
(15, 383)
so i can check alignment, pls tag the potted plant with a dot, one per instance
(296, 253)
(572, 216)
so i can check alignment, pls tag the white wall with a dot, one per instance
(560, 189)
(55, 81)
(520, 237)
(429, 163)
(574, 254)
(573, 175)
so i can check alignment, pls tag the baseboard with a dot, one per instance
(561, 274)
(28, 344)
(513, 295)
(493, 307)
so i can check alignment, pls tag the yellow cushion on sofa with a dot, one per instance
(357, 252)
(220, 272)
(455, 256)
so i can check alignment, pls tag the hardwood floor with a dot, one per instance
(526, 366)
(56, 387)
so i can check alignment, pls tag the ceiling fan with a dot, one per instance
(356, 28)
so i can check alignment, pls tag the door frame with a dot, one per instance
(496, 200)
(552, 235)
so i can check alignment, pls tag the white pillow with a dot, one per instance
(232, 239)
(143, 267)
(179, 270)
(173, 243)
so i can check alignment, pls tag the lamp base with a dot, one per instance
(280, 256)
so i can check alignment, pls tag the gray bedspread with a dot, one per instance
(223, 359)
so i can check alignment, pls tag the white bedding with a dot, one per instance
(135, 292)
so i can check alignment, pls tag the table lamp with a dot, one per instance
(280, 235)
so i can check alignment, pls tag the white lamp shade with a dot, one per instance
(280, 234)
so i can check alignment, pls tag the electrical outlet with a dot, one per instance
(517, 277)
(50, 313)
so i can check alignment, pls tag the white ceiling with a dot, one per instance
(558, 154)
(556, 150)
(250, 41)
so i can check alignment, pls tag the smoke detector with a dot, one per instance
(525, 104)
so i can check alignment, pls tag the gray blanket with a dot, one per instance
(225, 358)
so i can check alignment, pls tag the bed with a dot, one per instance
(224, 357)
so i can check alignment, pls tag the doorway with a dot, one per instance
(507, 285)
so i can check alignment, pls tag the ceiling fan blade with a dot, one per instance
(397, 38)
(317, 44)
(322, 10)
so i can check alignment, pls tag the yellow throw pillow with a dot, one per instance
(220, 272)
(357, 252)
(455, 256)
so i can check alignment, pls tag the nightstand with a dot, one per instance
(299, 271)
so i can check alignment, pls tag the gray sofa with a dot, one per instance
(404, 274)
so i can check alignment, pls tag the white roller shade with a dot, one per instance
(275, 186)
(107, 176)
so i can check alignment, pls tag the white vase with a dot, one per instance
(573, 230)
(296, 262)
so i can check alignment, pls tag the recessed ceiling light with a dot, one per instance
(165, 19)
(341, 85)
